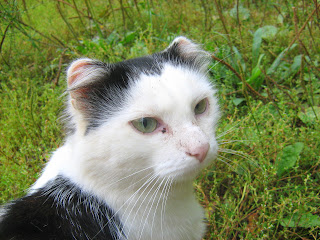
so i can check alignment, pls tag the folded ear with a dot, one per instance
(84, 72)
(189, 52)
(81, 77)
(77, 69)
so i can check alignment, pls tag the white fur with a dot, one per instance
(147, 178)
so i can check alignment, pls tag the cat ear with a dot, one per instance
(81, 76)
(189, 52)
(76, 70)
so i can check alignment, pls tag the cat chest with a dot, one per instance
(159, 219)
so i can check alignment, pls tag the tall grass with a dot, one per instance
(265, 183)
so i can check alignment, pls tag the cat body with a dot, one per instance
(140, 132)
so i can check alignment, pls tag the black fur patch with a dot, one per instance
(60, 211)
(104, 96)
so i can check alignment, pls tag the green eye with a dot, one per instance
(145, 125)
(201, 107)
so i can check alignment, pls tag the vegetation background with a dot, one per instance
(265, 63)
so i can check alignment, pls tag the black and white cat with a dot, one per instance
(140, 132)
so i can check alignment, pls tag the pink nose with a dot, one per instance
(200, 152)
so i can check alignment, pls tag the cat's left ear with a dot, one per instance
(189, 52)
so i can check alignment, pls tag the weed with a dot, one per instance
(265, 183)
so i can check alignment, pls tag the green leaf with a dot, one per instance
(310, 116)
(269, 32)
(239, 59)
(237, 101)
(280, 19)
(301, 219)
(257, 39)
(254, 79)
(294, 68)
(113, 38)
(243, 13)
(289, 157)
(277, 61)
(129, 38)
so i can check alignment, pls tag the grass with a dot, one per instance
(266, 182)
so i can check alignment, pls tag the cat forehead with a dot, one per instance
(174, 89)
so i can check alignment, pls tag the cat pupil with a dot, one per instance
(145, 125)
(201, 107)
(145, 122)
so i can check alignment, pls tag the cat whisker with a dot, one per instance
(129, 199)
(228, 161)
(218, 62)
(142, 203)
(222, 142)
(160, 198)
(240, 154)
(220, 158)
(228, 131)
(156, 207)
(141, 170)
(163, 205)
(234, 152)
(153, 177)
(152, 198)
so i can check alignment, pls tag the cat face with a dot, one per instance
(183, 140)
(157, 113)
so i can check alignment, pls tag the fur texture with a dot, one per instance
(132, 185)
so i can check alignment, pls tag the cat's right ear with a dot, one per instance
(189, 52)
(81, 76)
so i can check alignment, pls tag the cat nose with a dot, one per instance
(200, 152)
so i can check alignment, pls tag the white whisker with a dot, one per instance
(228, 131)
(160, 198)
(163, 206)
(234, 152)
(114, 214)
(154, 195)
(222, 142)
(141, 170)
(153, 177)
(221, 160)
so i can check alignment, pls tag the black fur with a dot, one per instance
(110, 88)
(60, 211)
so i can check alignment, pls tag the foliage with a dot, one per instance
(265, 183)
(289, 157)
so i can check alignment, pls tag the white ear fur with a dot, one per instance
(83, 72)
(191, 51)
(76, 70)
(80, 75)
(186, 47)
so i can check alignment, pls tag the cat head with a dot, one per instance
(157, 112)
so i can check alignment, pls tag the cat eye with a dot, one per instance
(145, 125)
(201, 107)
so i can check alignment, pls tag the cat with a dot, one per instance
(139, 132)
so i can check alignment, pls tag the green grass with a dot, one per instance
(266, 186)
